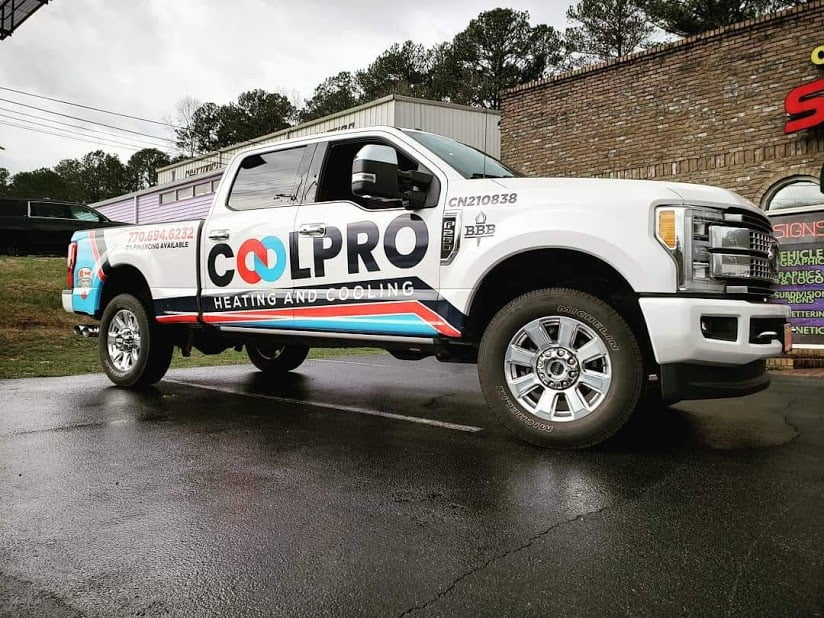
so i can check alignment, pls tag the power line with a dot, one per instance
(108, 139)
(102, 124)
(88, 141)
(135, 140)
(96, 109)
(92, 140)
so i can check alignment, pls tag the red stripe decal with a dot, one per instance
(178, 319)
(98, 262)
(341, 311)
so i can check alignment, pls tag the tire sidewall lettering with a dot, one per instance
(592, 321)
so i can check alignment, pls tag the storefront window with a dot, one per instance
(797, 192)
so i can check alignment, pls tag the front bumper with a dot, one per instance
(692, 381)
(695, 363)
(674, 325)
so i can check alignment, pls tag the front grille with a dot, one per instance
(761, 242)
(748, 219)
(760, 268)
(744, 254)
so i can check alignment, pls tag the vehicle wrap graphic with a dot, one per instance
(91, 270)
(358, 244)
(402, 306)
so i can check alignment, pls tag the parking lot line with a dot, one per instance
(318, 404)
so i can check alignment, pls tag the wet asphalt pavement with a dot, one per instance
(242, 498)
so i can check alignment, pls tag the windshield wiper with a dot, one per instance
(476, 175)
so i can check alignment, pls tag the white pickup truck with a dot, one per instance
(577, 298)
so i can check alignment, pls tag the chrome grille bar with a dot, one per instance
(742, 250)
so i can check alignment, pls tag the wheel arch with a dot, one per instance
(570, 268)
(125, 279)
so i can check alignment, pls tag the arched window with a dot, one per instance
(794, 192)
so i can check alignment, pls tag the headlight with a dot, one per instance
(685, 234)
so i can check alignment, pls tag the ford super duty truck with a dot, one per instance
(577, 298)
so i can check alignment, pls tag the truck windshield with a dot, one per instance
(467, 161)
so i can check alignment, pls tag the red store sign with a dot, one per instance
(805, 104)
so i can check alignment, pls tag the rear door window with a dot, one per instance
(268, 180)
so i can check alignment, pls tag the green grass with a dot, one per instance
(37, 337)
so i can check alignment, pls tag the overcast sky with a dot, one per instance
(141, 57)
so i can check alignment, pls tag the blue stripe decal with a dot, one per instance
(405, 324)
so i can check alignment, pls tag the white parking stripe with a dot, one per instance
(329, 406)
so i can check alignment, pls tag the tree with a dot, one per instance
(71, 171)
(401, 69)
(5, 178)
(43, 183)
(102, 176)
(688, 17)
(333, 94)
(497, 50)
(184, 120)
(255, 113)
(607, 28)
(142, 165)
(203, 130)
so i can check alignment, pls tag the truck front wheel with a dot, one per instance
(134, 349)
(276, 359)
(560, 368)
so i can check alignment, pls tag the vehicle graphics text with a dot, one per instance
(468, 201)
(266, 259)
(362, 292)
(160, 238)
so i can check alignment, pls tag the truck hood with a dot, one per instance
(601, 190)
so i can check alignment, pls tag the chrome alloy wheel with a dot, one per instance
(123, 340)
(558, 368)
(270, 352)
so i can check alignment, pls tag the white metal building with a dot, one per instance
(185, 189)
(474, 126)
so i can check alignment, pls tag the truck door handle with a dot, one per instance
(219, 235)
(312, 229)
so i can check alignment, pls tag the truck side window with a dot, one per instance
(84, 214)
(49, 210)
(267, 180)
(336, 176)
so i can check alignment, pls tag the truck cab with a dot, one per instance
(577, 298)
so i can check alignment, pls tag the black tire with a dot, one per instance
(620, 359)
(276, 359)
(154, 352)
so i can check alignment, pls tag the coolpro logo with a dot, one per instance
(261, 270)
(265, 259)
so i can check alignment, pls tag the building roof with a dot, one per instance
(14, 12)
(358, 108)
(665, 48)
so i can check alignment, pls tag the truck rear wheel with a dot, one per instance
(134, 349)
(560, 368)
(276, 359)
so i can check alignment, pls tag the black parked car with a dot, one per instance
(44, 226)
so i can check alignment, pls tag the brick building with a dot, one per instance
(706, 109)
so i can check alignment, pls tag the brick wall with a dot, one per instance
(708, 109)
